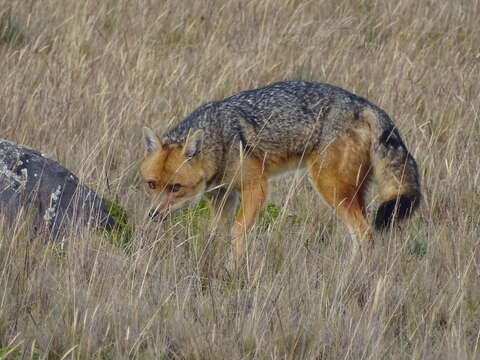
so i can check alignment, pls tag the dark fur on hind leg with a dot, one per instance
(396, 209)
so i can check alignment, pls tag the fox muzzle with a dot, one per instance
(158, 214)
(153, 213)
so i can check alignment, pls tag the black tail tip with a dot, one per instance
(394, 210)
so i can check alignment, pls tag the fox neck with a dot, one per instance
(213, 165)
(210, 170)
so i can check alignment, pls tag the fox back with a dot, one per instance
(292, 116)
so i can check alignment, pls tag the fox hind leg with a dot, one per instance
(340, 176)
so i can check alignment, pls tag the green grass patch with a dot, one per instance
(10, 352)
(272, 212)
(269, 214)
(10, 32)
(419, 246)
(15, 352)
(195, 216)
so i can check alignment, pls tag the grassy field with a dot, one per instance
(79, 79)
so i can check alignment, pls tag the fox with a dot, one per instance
(227, 150)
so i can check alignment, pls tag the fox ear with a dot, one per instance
(151, 140)
(194, 144)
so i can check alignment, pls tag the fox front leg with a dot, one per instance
(223, 203)
(252, 198)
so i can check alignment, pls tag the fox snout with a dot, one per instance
(153, 213)
(160, 212)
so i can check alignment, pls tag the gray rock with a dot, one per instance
(32, 184)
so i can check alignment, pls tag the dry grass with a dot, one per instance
(80, 78)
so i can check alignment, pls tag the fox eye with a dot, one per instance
(175, 187)
(151, 184)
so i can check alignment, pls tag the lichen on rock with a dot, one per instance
(51, 211)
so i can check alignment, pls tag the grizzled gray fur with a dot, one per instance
(278, 117)
(48, 192)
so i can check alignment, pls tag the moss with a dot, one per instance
(121, 234)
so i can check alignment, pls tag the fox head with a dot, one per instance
(173, 173)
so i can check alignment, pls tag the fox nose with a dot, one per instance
(153, 213)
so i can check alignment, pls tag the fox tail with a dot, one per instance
(394, 168)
